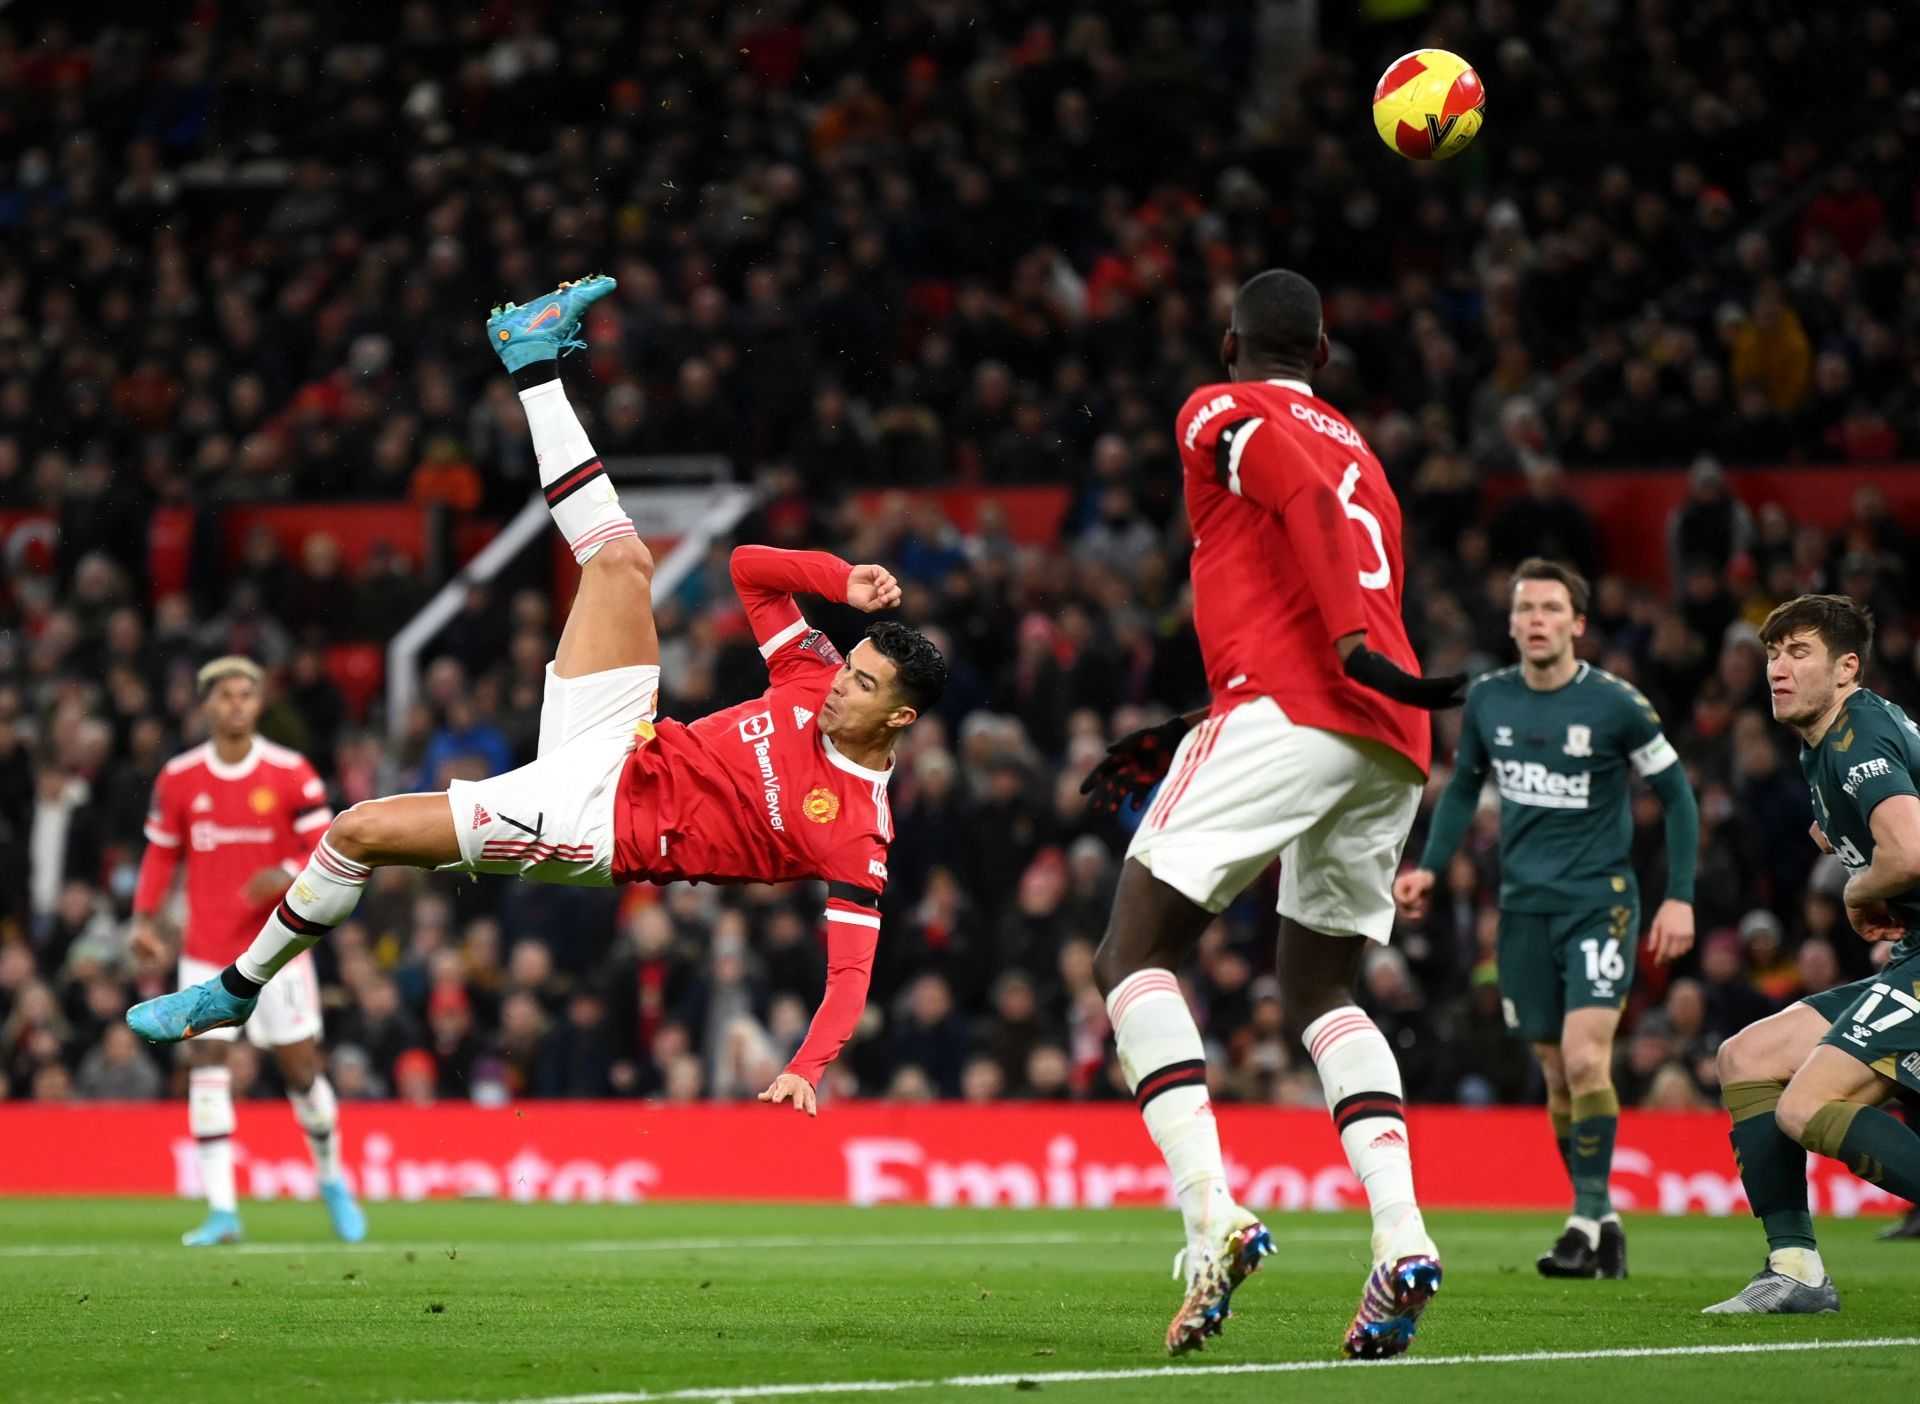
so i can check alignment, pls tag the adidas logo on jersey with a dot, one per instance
(480, 817)
(202, 803)
(801, 716)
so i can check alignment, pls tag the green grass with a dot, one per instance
(486, 1302)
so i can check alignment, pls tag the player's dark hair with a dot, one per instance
(1276, 315)
(919, 672)
(1842, 624)
(1540, 568)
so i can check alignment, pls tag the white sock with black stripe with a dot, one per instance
(318, 1112)
(579, 494)
(1166, 1067)
(323, 896)
(210, 1118)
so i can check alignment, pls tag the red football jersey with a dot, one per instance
(1296, 543)
(757, 793)
(228, 822)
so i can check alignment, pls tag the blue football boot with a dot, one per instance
(1391, 1305)
(540, 330)
(349, 1224)
(222, 1226)
(194, 1010)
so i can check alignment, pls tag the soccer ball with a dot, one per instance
(1429, 104)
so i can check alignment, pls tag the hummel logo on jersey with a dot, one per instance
(801, 716)
(1503, 736)
(1579, 741)
(202, 803)
(480, 817)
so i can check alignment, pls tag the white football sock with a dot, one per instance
(1166, 1068)
(1362, 1084)
(210, 1118)
(318, 1112)
(1801, 1264)
(1589, 1228)
(581, 497)
(323, 896)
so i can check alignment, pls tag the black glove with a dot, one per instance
(1386, 677)
(1134, 765)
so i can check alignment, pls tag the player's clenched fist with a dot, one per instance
(872, 588)
(791, 1086)
(1411, 893)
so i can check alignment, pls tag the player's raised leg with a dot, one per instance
(1153, 929)
(403, 831)
(318, 1111)
(1755, 1067)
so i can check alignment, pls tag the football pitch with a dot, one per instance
(489, 1302)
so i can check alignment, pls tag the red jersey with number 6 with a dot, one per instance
(1296, 543)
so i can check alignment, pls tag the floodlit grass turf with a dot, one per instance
(490, 1302)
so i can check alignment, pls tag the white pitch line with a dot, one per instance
(659, 1245)
(1285, 1367)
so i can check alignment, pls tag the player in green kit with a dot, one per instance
(1559, 737)
(1814, 1075)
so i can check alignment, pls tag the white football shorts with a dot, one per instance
(552, 819)
(1250, 786)
(289, 1007)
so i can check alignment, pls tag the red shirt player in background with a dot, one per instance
(790, 785)
(243, 814)
(1314, 751)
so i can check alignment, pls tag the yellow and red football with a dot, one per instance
(1429, 105)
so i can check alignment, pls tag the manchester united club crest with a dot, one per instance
(262, 800)
(821, 805)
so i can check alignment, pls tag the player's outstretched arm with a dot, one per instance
(853, 935)
(767, 578)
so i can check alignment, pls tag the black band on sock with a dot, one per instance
(1365, 1104)
(214, 1140)
(536, 373)
(297, 924)
(1192, 1073)
(238, 985)
(560, 489)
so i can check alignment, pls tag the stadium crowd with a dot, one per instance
(245, 259)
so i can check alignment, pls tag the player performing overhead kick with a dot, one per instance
(1314, 751)
(1559, 737)
(790, 785)
(1813, 1076)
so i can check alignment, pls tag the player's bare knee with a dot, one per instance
(1731, 1059)
(624, 556)
(356, 833)
(1796, 1109)
(1588, 1070)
